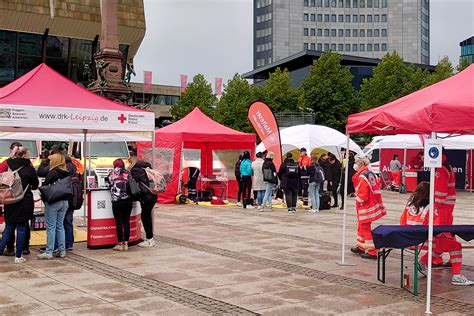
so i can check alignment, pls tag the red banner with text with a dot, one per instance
(218, 86)
(266, 126)
(147, 81)
(184, 82)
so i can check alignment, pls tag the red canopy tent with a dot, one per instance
(196, 131)
(444, 107)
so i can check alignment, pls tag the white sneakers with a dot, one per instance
(20, 260)
(239, 204)
(459, 279)
(313, 211)
(147, 243)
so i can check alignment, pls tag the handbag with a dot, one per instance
(60, 190)
(135, 190)
(269, 175)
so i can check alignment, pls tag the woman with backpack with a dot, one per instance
(122, 203)
(316, 179)
(147, 198)
(54, 213)
(246, 173)
(290, 177)
(269, 180)
(18, 215)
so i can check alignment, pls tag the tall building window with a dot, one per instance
(319, 3)
(348, 3)
(340, 47)
(333, 32)
(326, 47)
(362, 18)
(384, 47)
(313, 32)
(326, 32)
(348, 47)
(306, 3)
(313, 46)
(376, 3)
(362, 47)
(376, 47)
(361, 3)
(369, 3)
(326, 3)
(313, 3)
(376, 18)
(354, 33)
(384, 32)
(313, 17)
(348, 17)
(341, 18)
(333, 47)
(369, 47)
(333, 18)
(361, 33)
(305, 17)
(305, 31)
(348, 33)
(354, 47)
(355, 18)
(320, 17)
(326, 18)
(305, 46)
(369, 18)
(320, 32)
(341, 3)
(341, 33)
(376, 33)
(384, 3)
(369, 33)
(355, 3)
(320, 46)
(384, 18)
(333, 3)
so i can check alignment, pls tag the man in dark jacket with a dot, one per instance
(336, 169)
(289, 176)
(147, 201)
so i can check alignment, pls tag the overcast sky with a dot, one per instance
(214, 37)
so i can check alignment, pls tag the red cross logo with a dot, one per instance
(122, 118)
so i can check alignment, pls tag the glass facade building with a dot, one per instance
(467, 50)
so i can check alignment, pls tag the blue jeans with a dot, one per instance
(313, 191)
(54, 216)
(267, 198)
(260, 194)
(68, 230)
(20, 236)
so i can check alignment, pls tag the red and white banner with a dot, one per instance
(101, 229)
(218, 86)
(147, 81)
(184, 82)
(266, 126)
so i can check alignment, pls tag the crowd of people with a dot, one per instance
(302, 180)
(60, 176)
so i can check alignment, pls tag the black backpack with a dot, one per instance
(291, 169)
(77, 198)
(319, 174)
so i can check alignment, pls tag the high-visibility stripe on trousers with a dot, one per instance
(454, 248)
(364, 238)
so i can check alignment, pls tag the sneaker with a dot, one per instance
(147, 243)
(250, 206)
(59, 254)
(26, 252)
(45, 256)
(239, 204)
(125, 247)
(20, 260)
(118, 247)
(9, 253)
(270, 209)
(293, 210)
(261, 209)
(459, 279)
(356, 250)
(368, 256)
(70, 249)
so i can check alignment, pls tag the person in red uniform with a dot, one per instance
(416, 212)
(304, 161)
(369, 206)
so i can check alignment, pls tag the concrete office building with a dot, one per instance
(365, 28)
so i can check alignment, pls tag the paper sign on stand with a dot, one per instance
(433, 151)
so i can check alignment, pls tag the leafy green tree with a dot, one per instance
(463, 64)
(444, 69)
(279, 94)
(198, 93)
(236, 98)
(328, 92)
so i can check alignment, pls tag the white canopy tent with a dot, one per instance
(410, 141)
(109, 137)
(312, 137)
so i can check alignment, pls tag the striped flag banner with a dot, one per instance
(184, 82)
(147, 79)
(218, 86)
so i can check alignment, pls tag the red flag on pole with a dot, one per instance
(147, 79)
(184, 82)
(266, 126)
(218, 86)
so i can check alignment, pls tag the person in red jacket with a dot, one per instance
(416, 212)
(369, 206)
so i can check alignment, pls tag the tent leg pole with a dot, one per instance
(404, 168)
(343, 261)
(180, 178)
(470, 171)
(430, 236)
(153, 150)
(84, 162)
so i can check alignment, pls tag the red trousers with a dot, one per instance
(442, 244)
(364, 238)
(396, 175)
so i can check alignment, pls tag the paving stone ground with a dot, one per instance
(227, 260)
